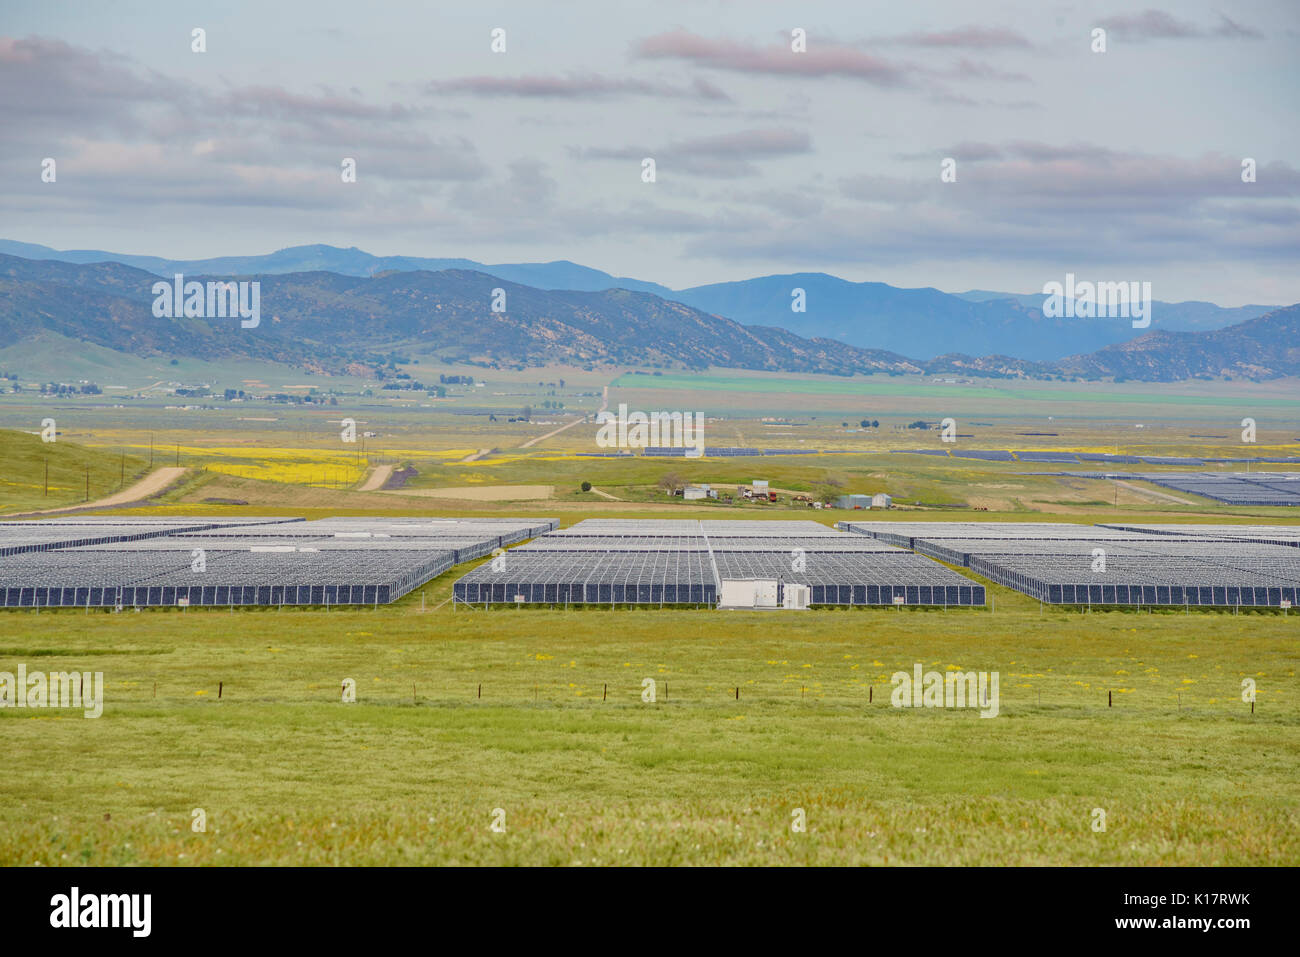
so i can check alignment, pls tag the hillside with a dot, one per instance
(1264, 348)
(923, 323)
(325, 322)
(330, 323)
(71, 468)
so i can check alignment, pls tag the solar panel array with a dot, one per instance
(1203, 565)
(1235, 488)
(337, 561)
(18, 537)
(1231, 488)
(1264, 534)
(1047, 457)
(988, 455)
(719, 451)
(666, 561)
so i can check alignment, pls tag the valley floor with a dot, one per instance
(534, 719)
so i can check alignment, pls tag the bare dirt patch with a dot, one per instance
(485, 493)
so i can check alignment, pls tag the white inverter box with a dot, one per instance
(748, 593)
(796, 597)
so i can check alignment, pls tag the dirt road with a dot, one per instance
(1153, 494)
(377, 478)
(153, 483)
(482, 493)
(604, 404)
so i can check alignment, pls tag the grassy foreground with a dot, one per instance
(288, 774)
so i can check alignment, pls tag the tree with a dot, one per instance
(672, 483)
(527, 413)
(829, 489)
(586, 486)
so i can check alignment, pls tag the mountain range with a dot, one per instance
(922, 323)
(331, 322)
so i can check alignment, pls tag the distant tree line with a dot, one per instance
(62, 388)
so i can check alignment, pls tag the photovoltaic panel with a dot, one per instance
(635, 562)
(266, 561)
(1203, 565)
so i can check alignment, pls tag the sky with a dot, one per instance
(1122, 165)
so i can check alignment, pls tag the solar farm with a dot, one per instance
(1230, 488)
(138, 563)
(746, 564)
(160, 562)
(1155, 565)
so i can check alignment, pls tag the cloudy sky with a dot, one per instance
(1125, 164)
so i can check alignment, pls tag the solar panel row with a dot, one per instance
(127, 563)
(1231, 488)
(658, 561)
(1199, 565)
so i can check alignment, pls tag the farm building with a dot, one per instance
(853, 501)
(879, 500)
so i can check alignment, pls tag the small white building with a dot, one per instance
(795, 597)
(881, 500)
(748, 593)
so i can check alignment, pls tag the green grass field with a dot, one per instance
(586, 772)
(240, 714)
(37, 475)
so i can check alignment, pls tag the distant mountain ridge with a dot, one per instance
(327, 322)
(925, 323)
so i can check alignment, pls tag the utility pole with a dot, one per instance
(47, 476)
(150, 450)
(87, 483)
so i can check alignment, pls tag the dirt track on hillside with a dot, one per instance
(153, 483)
(377, 479)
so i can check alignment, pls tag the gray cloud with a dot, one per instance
(1159, 25)
(111, 124)
(822, 59)
(968, 37)
(722, 155)
(768, 160)
(577, 86)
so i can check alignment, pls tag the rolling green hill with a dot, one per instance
(71, 466)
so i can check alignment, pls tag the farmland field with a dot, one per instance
(585, 771)
(539, 712)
